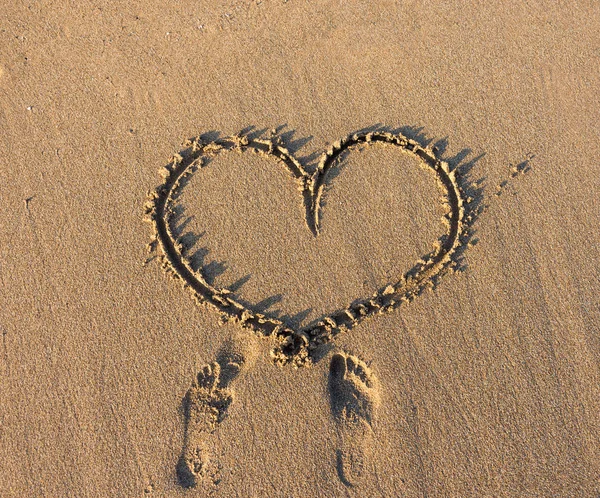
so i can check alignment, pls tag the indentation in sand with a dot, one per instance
(297, 345)
(205, 407)
(354, 396)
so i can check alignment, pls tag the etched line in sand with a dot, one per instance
(205, 407)
(292, 345)
(354, 396)
(519, 169)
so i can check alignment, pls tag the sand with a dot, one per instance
(420, 318)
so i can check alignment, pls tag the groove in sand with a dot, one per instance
(296, 346)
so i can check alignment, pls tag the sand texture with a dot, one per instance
(293, 249)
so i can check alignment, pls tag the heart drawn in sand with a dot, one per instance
(297, 345)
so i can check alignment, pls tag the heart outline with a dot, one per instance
(297, 346)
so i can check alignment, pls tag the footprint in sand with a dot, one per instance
(205, 407)
(354, 394)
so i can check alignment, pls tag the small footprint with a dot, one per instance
(205, 407)
(354, 394)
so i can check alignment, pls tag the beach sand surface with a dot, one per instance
(489, 385)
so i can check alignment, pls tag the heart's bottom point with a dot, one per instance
(291, 347)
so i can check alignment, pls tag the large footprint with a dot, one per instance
(354, 395)
(205, 407)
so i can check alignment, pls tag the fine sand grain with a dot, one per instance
(371, 267)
